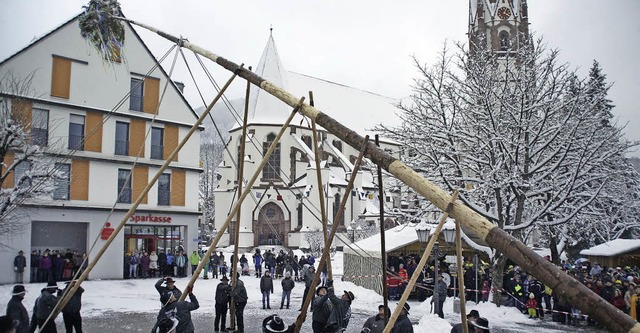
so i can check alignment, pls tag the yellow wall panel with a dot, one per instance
(177, 187)
(61, 77)
(79, 180)
(151, 95)
(8, 161)
(136, 137)
(21, 111)
(170, 140)
(140, 180)
(93, 132)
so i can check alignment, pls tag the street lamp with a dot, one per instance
(423, 230)
(351, 230)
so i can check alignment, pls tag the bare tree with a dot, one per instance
(26, 172)
(518, 134)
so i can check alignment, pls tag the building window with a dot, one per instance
(157, 143)
(40, 127)
(164, 190)
(300, 214)
(272, 169)
(122, 138)
(62, 181)
(76, 132)
(336, 208)
(124, 186)
(505, 41)
(21, 179)
(135, 99)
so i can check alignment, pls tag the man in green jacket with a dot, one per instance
(194, 260)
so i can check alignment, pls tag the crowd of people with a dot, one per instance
(50, 265)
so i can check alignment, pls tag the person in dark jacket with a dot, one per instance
(35, 262)
(43, 308)
(287, 285)
(71, 311)
(239, 296)
(376, 323)
(58, 264)
(169, 288)
(341, 310)
(440, 296)
(308, 280)
(45, 267)
(322, 308)
(403, 324)
(16, 312)
(223, 295)
(266, 288)
(19, 263)
(180, 310)
(471, 317)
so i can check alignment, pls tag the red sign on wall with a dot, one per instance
(150, 218)
(106, 231)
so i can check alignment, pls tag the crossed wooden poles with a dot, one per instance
(475, 224)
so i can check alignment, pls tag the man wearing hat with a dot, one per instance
(440, 295)
(376, 323)
(321, 307)
(403, 324)
(481, 325)
(239, 296)
(223, 292)
(471, 317)
(16, 312)
(19, 263)
(181, 310)
(274, 324)
(169, 288)
(71, 311)
(43, 308)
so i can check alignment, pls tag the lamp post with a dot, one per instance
(350, 232)
(424, 232)
(449, 234)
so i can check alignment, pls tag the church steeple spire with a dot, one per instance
(499, 25)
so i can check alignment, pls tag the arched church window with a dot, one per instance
(272, 169)
(505, 41)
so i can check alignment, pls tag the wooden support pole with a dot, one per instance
(461, 291)
(61, 304)
(423, 260)
(321, 193)
(238, 204)
(383, 251)
(236, 229)
(325, 253)
(475, 224)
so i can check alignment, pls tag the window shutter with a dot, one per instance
(136, 137)
(8, 161)
(140, 180)
(177, 187)
(21, 113)
(61, 77)
(170, 140)
(93, 132)
(151, 94)
(79, 180)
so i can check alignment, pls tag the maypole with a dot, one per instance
(475, 224)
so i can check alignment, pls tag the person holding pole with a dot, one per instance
(403, 324)
(239, 296)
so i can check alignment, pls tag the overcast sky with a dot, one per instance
(365, 44)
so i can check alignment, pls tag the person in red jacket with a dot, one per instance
(404, 278)
(618, 300)
(532, 306)
(392, 284)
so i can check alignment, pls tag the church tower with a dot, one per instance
(499, 25)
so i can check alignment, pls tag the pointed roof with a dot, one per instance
(264, 108)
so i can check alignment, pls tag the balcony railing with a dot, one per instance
(157, 152)
(164, 198)
(76, 142)
(124, 195)
(122, 147)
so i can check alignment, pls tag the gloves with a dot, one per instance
(15, 269)
(189, 289)
(329, 283)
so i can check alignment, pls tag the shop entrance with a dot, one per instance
(147, 238)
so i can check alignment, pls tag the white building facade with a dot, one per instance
(284, 204)
(106, 151)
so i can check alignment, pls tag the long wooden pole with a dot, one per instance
(423, 260)
(61, 304)
(325, 253)
(461, 293)
(321, 194)
(383, 246)
(236, 229)
(475, 224)
(238, 204)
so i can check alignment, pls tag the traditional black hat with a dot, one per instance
(18, 289)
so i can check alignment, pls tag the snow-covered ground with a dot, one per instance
(139, 295)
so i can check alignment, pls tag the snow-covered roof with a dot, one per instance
(612, 248)
(357, 109)
(395, 238)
